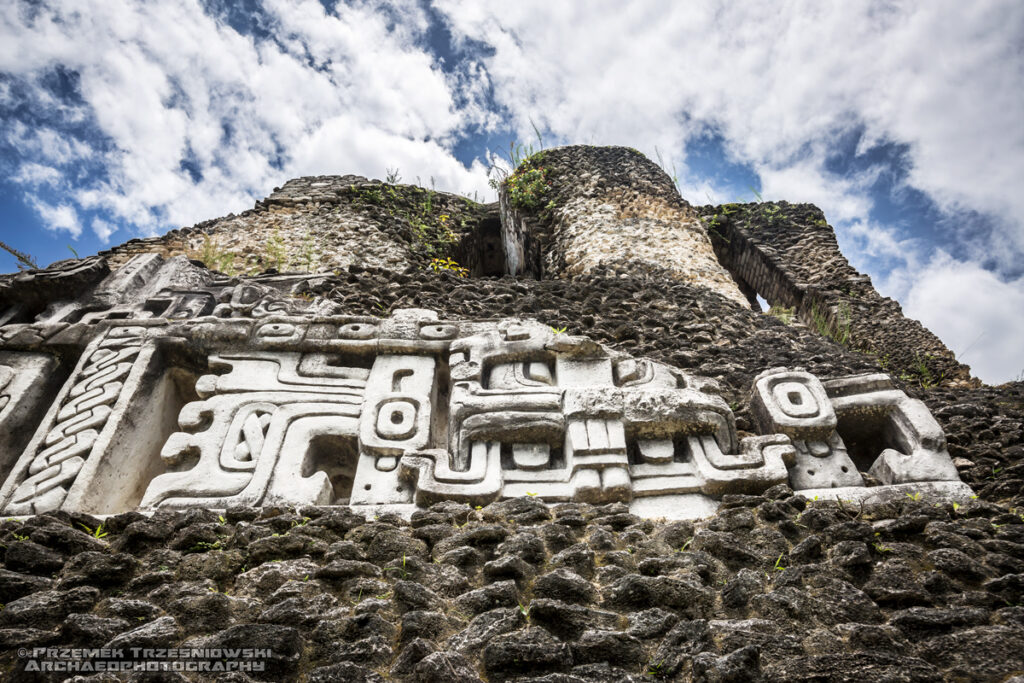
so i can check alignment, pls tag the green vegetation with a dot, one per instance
(839, 330)
(25, 262)
(98, 532)
(527, 186)
(783, 314)
(449, 265)
(215, 257)
(309, 257)
(661, 162)
(277, 251)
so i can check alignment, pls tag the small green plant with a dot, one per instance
(558, 330)
(778, 563)
(216, 257)
(661, 162)
(771, 212)
(222, 520)
(277, 251)
(837, 330)
(526, 187)
(392, 176)
(98, 532)
(881, 548)
(448, 264)
(524, 610)
(402, 570)
(204, 546)
(20, 537)
(783, 314)
(309, 256)
(915, 496)
(25, 262)
(72, 250)
(530, 493)
(655, 668)
(686, 545)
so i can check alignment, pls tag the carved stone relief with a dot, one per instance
(408, 410)
(55, 457)
(894, 437)
(28, 384)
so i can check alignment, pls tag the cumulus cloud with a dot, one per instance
(103, 229)
(929, 92)
(783, 85)
(153, 115)
(57, 218)
(189, 118)
(31, 173)
(985, 331)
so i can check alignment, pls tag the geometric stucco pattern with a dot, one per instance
(221, 394)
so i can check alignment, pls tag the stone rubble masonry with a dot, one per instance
(611, 206)
(323, 223)
(788, 254)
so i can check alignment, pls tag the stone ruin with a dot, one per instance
(383, 433)
(158, 383)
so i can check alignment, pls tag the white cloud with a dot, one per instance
(35, 174)
(168, 92)
(103, 229)
(985, 331)
(172, 91)
(782, 83)
(57, 218)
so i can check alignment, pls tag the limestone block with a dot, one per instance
(793, 403)
(823, 464)
(429, 471)
(28, 383)
(870, 410)
(400, 392)
(761, 464)
(276, 428)
(90, 412)
(573, 372)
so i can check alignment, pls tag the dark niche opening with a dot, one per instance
(866, 436)
(336, 456)
(482, 249)
(491, 250)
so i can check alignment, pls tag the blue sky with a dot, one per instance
(903, 121)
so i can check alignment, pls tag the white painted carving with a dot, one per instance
(249, 440)
(84, 410)
(823, 418)
(411, 409)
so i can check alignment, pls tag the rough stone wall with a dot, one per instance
(774, 588)
(788, 254)
(324, 223)
(610, 207)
